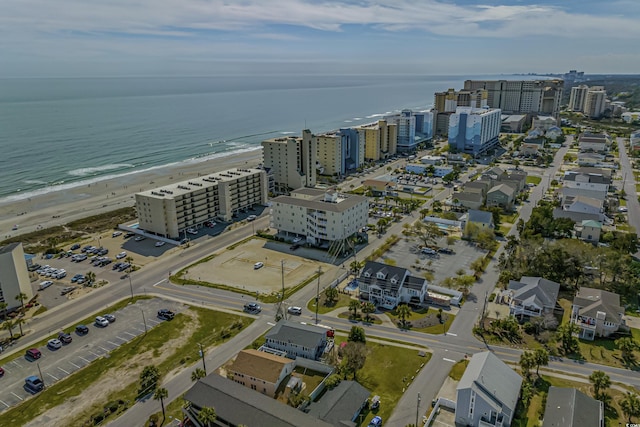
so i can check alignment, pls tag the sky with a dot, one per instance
(207, 37)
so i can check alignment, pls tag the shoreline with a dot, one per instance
(58, 207)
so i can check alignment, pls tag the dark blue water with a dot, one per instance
(63, 131)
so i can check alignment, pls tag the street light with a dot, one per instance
(41, 377)
(144, 321)
(204, 366)
(130, 285)
(318, 293)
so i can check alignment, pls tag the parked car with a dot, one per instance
(294, 246)
(121, 255)
(447, 251)
(116, 234)
(54, 344)
(139, 238)
(191, 231)
(297, 239)
(75, 247)
(82, 330)
(33, 384)
(45, 285)
(258, 265)
(252, 307)
(1, 371)
(77, 278)
(64, 337)
(166, 314)
(251, 218)
(428, 251)
(376, 421)
(33, 354)
(102, 322)
(210, 224)
(295, 310)
(110, 317)
(160, 243)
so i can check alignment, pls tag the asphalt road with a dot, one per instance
(633, 207)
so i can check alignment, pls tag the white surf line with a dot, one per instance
(17, 396)
(75, 365)
(52, 376)
(448, 360)
(63, 370)
(5, 404)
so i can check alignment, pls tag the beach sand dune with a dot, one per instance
(60, 207)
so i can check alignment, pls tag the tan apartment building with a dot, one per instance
(168, 211)
(14, 277)
(260, 371)
(329, 153)
(380, 139)
(291, 161)
(322, 217)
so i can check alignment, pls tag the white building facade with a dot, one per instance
(474, 130)
(14, 276)
(291, 161)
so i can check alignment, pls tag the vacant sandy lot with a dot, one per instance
(236, 268)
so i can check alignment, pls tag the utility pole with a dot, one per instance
(418, 410)
(281, 313)
(318, 293)
(484, 306)
(144, 321)
(204, 366)
(130, 285)
(41, 377)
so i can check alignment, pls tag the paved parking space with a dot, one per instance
(405, 254)
(84, 349)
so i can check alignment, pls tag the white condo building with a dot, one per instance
(595, 102)
(321, 216)
(578, 97)
(474, 130)
(168, 211)
(291, 161)
(14, 276)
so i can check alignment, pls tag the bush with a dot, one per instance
(492, 297)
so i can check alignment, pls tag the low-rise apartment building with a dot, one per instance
(14, 276)
(297, 339)
(168, 211)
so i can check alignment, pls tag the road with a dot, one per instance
(629, 184)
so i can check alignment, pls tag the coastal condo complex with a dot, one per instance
(592, 101)
(168, 211)
(290, 162)
(14, 277)
(474, 130)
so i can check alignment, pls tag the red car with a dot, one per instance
(1, 372)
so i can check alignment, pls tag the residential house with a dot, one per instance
(580, 208)
(517, 179)
(260, 371)
(597, 313)
(634, 140)
(544, 123)
(468, 199)
(495, 174)
(380, 187)
(477, 186)
(501, 195)
(590, 159)
(553, 133)
(487, 393)
(387, 286)
(568, 194)
(475, 221)
(568, 407)
(297, 339)
(589, 174)
(590, 231)
(238, 405)
(341, 405)
(531, 147)
(533, 297)
(598, 143)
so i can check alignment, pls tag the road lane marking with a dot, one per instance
(17, 396)
(5, 404)
(448, 360)
(452, 334)
(75, 365)
(63, 370)
(157, 283)
(96, 355)
(16, 363)
(52, 376)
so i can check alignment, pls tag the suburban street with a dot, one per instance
(629, 185)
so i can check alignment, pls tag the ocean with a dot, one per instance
(59, 132)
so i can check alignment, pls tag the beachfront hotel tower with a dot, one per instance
(474, 130)
(170, 210)
(14, 276)
(339, 152)
(380, 139)
(291, 161)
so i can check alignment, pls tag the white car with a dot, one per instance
(45, 284)
(116, 234)
(54, 344)
(297, 239)
(295, 310)
(251, 218)
(139, 238)
(121, 255)
(191, 231)
(258, 265)
(101, 321)
(622, 209)
(160, 243)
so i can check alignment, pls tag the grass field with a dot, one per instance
(343, 301)
(458, 369)
(533, 179)
(421, 314)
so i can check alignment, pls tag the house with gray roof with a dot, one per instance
(502, 195)
(597, 313)
(238, 405)
(341, 405)
(533, 297)
(387, 285)
(568, 407)
(297, 339)
(487, 393)
(468, 199)
(475, 221)
(567, 195)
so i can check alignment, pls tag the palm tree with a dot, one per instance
(207, 416)
(330, 295)
(601, 382)
(367, 309)
(424, 213)
(527, 362)
(3, 308)
(627, 346)
(91, 277)
(197, 374)
(354, 305)
(356, 266)
(8, 325)
(161, 394)
(19, 322)
(541, 357)
(630, 405)
(403, 311)
(21, 297)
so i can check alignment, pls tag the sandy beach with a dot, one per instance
(60, 207)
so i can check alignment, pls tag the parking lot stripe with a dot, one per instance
(112, 343)
(84, 359)
(104, 349)
(121, 339)
(52, 376)
(5, 404)
(96, 355)
(155, 322)
(15, 362)
(75, 365)
(17, 396)
(63, 370)
(128, 333)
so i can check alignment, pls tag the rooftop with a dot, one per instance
(302, 334)
(339, 405)
(259, 364)
(591, 301)
(568, 407)
(312, 198)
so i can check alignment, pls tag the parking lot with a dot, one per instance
(406, 253)
(84, 349)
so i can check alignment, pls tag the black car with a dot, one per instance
(447, 251)
(75, 246)
(65, 338)
(294, 246)
(166, 314)
(110, 317)
(82, 330)
(253, 308)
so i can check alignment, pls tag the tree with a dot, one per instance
(477, 266)
(9, 325)
(567, 340)
(330, 295)
(21, 297)
(161, 394)
(332, 381)
(19, 322)
(541, 358)
(357, 335)
(368, 308)
(207, 416)
(627, 346)
(426, 232)
(354, 305)
(149, 378)
(601, 382)
(3, 308)
(197, 374)
(527, 362)
(356, 266)
(424, 213)
(356, 356)
(630, 405)
(91, 277)
(403, 311)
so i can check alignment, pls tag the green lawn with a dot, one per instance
(387, 373)
(421, 314)
(623, 202)
(533, 179)
(343, 301)
(373, 319)
(206, 329)
(637, 188)
(458, 369)
(510, 218)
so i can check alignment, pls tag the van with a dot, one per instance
(33, 354)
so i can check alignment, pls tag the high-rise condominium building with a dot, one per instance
(521, 96)
(14, 277)
(168, 211)
(406, 123)
(595, 102)
(578, 97)
(339, 152)
(447, 102)
(380, 139)
(291, 161)
(474, 130)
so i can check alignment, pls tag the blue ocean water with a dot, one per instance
(58, 131)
